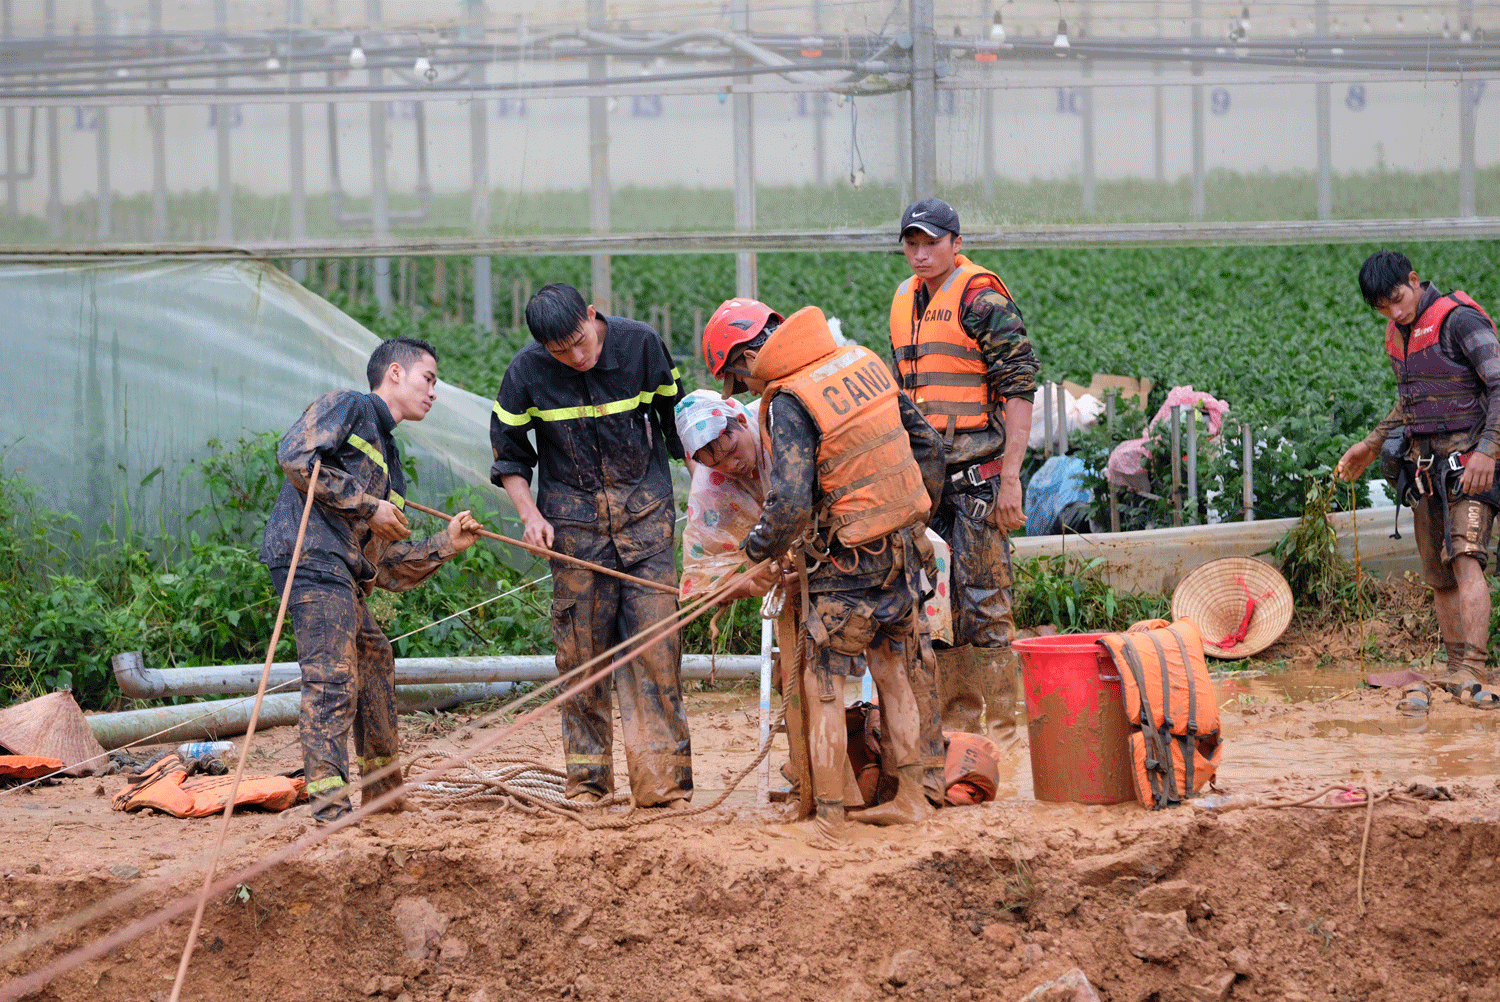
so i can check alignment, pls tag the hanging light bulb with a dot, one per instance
(1061, 41)
(1447, 33)
(1244, 22)
(272, 63)
(423, 66)
(357, 54)
(997, 28)
(857, 179)
(1466, 35)
(1400, 22)
(1291, 28)
(1369, 28)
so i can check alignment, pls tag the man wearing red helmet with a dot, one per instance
(855, 470)
(962, 354)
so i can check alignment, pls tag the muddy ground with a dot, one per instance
(469, 902)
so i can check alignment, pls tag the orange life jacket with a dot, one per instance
(1172, 709)
(165, 787)
(939, 364)
(28, 766)
(871, 485)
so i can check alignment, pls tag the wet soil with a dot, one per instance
(470, 902)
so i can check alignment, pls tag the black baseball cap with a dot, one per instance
(932, 216)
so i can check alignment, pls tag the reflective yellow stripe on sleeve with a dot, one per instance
(371, 451)
(583, 411)
(374, 453)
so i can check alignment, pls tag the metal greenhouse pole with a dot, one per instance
(923, 101)
(746, 282)
(297, 168)
(159, 141)
(1324, 126)
(105, 207)
(221, 119)
(380, 209)
(599, 207)
(1468, 96)
(479, 166)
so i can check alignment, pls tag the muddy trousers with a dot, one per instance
(348, 685)
(980, 591)
(590, 614)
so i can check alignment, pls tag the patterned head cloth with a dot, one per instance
(702, 417)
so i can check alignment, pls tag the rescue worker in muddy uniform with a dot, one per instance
(961, 353)
(737, 454)
(855, 470)
(1446, 419)
(598, 393)
(356, 541)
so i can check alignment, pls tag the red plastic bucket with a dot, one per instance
(1080, 745)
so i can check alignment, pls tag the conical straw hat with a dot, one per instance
(52, 726)
(1215, 595)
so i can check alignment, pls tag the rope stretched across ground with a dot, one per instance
(534, 788)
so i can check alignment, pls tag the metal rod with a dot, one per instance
(1276, 233)
(12, 196)
(104, 203)
(767, 645)
(1111, 397)
(1177, 465)
(1086, 127)
(479, 168)
(296, 152)
(380, 210)
(746, 279)
(1047, 418)
(1324, 126)
(54, 164)
(157, 117)
(1062, 420)
(1200, 198)
(223, 112)
(923, 101)
(1247, 467)
(1191, 502)
(542, 551)
(601, 269)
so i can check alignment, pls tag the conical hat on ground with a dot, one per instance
(1216, 595)
(52, 726)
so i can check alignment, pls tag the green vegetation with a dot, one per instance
(1075, 596)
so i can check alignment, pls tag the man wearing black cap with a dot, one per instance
(962, 355)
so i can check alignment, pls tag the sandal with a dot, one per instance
(1474, 695)
(1414, 699)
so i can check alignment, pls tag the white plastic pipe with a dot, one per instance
(139, 682)
(220, 718)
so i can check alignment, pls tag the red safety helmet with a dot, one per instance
(735, 322)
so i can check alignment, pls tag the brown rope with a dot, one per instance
(19, 987)
(239, 769)
(542, 551)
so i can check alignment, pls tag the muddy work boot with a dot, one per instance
(959, 692)
(910, 805)
(996, 668)
(829, 820)
(1466, 666)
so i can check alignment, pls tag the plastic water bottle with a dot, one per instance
(197, 749)
(1225, 801)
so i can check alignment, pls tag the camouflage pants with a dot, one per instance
(348, 684)
(981, 582)
(590, 614)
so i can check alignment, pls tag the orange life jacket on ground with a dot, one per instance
(939, 364)
(28, 766)
(870, 483)
(1172, 709)
(165, 787)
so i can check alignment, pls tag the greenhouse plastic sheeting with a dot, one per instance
(126, 370)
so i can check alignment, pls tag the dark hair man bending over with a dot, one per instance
(1446, 420)
(598, 392)
(356, 541)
